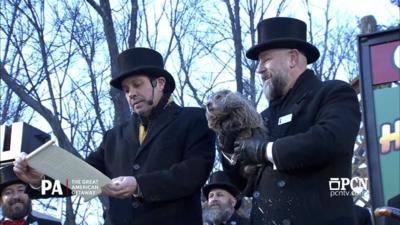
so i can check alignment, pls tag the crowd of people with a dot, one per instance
(160, 159)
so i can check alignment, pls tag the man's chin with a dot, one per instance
(16, 211)
(216, 209)
(17, 214)
(138, 110)
(142, 111)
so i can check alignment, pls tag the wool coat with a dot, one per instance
(237, 220)
(170, 166)
(313, 127)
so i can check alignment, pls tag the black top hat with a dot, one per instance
(142, 61)
(8, 177)
(220, 180)
(283, 32)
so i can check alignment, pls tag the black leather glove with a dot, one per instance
(251, 150)
(225, 141)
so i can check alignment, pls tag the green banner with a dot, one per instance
(387, 111)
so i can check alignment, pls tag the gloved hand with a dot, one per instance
(225, 141)
(251, 150)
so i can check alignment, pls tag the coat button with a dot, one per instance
(256, 194)
(281, 183)
(286, 222)
(136, 166)
(135, 204)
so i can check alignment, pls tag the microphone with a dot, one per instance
(151, 102)
(153, 85)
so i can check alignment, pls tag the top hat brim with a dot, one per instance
(228, 187)
(8, 177)
(310, 51)
(225, 186)
(6, 184)
(150, 71)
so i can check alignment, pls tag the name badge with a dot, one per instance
(285, 119)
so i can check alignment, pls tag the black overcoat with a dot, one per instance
(237, 220)
(234, 220)
(314, 129)
(170, 166)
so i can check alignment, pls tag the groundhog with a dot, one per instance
(233, 117)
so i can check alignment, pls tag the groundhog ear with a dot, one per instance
(236, 105)
(233, 101)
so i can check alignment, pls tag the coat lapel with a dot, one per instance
(31, 220)
(131, 134)
(162, 120)
(287, 112)
(289, 115)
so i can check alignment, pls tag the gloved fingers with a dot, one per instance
(225, 147)
(233, 134)
(237, 147)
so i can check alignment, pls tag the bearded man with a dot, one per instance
(221, 205)
(15, 203)
(312, 128)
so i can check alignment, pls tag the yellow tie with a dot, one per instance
(142, 133)
(142, 129)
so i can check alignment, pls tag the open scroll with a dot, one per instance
(62, 166)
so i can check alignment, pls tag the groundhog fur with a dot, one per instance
(231, 112)
(228, 112)
(233, 117)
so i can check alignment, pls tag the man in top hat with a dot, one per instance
(222, 203)
(15, 203)
(312, 127)
(160, 158)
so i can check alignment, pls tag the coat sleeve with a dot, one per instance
(331, 135)
(187, 176)
(96, 158)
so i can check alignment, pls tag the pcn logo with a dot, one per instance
(340, 186)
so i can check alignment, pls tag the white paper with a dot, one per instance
(82, 178)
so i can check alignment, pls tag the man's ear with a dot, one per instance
(294, 58)
(233, 201)
(161, 83)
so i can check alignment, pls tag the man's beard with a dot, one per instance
(275, 87)
(218, 213)
(17, 213)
